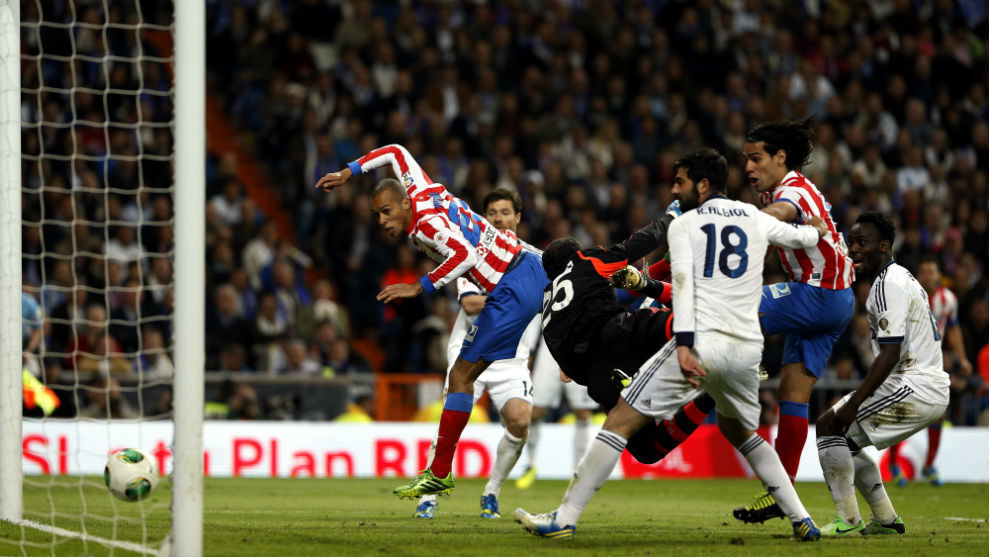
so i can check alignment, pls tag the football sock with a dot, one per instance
(426, 498)
(509, 449)
(792, 431)
(870, 486)
(934, 438)
(580, 440)
(766, 464)
(456, 411)
(892, 454)
(839, 472)
(533, 442)
(671, 433)
(590, 475)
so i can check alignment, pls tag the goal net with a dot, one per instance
(103, 255)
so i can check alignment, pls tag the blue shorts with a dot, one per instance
(813, 319)
(509, 308)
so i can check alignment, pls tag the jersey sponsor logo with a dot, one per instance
(469, 337)
(780, 290)
(408, 180)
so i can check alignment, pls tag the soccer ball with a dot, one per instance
(130, 474)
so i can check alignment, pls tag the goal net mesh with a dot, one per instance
(97, 252)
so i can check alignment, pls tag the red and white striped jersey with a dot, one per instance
(827, 265)
(945, 308)
(444, 227)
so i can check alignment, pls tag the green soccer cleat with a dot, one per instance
(874, 526)
(764, 508)
(526, 480)
(425, 484)
(839, 527)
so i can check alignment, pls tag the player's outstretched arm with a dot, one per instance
(793, 236)
(784, 211)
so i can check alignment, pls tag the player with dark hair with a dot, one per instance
(904, 391)
(815, 306)
(463, 244)
(945, 307)
(717, 251)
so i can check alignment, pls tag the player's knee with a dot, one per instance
(518, 427)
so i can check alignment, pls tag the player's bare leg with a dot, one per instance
(766, 464)
(437, 478)
(515, 416)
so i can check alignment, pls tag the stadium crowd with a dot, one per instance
(580, 106)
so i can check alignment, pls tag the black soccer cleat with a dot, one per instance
(764, 508)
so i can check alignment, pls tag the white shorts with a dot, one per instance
(895, 411)
(659, 390)
(549, 390)
(504, 380)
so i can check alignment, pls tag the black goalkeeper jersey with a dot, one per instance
(578, 302)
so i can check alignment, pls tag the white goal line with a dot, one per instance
(129, 546)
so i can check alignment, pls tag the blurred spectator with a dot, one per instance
(270, 328)
(225, 324)
(154, 363)
(297, 360)
(105, 401)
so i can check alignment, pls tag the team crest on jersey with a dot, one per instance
(780, 290)
(441, 237)
(883, 323)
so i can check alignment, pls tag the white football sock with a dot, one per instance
(533, 442)
(509, 449)
(425, 498)
(870, 485)
(765, 462)
(590, 475)
(839, 472)
(580, 440)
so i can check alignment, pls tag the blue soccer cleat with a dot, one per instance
(806, 531)
(898, 477)
(489, 506)
(425, 509)
(544, 525)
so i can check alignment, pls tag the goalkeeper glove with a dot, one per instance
(628, 278)
(674, 208)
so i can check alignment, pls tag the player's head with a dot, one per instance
(775, 148)
(929, 274)
(503, 208)
(557, 254)
(390, 202)
(699, 175)
(870, 243)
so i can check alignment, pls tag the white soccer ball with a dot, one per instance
(130, 474)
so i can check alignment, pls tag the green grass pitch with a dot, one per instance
(361, 517)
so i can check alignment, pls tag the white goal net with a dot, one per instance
(103, 270)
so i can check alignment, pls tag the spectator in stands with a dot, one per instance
(226, 325)
(105, 401)
(324, 308)
(153, 363)
(270, 329)
(297, 360)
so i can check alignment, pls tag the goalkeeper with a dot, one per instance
(598, 343)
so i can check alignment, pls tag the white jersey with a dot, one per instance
(898, 311)
(717, 253)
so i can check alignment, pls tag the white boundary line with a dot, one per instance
(129, 546)
(964, 519)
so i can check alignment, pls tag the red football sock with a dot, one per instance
(934, 438)
(792, 431)
(456, 411)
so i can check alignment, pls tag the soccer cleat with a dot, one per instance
(806, 531)
(544, 525)
(874, 526)
(527, 479)
(425, 483)
(897, 476)
(489, 506)
(931, 474)
(425, 509)
(839, 527)
(764, 508)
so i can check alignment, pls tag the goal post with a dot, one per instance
(190, 248)
(11, 492)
